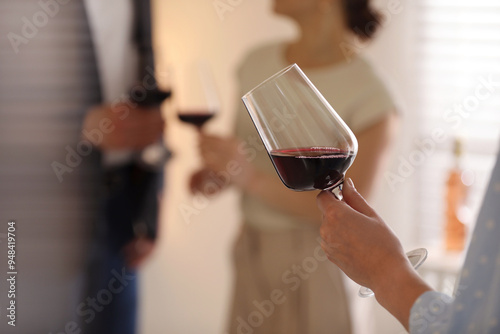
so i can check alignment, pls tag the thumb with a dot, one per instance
(355, 200)
(327, 201)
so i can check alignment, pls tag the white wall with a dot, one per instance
(185, 287)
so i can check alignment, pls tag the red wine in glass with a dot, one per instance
(196, 118)
(309, 144)
(311, 167)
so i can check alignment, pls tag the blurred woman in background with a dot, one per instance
(283, 283)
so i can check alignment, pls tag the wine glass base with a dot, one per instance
(416, 257)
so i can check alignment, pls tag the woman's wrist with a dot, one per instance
(398, 290)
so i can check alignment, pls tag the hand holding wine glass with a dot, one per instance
(364, 247)
(309, 144)
(353, 222)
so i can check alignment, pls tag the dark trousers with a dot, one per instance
(111, 294)
(129, 199)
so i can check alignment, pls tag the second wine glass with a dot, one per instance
(196, 97)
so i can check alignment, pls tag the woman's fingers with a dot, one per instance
(207, 182)
(355, 200)
(327, 202)
(217, 152)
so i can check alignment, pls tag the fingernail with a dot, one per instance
(349, 180)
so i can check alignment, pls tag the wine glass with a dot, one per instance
(308, 143)
(196, 97)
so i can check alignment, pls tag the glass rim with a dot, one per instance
(271, 78)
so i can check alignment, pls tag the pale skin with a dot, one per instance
(323, 28)
(361, 244)
(133, 128)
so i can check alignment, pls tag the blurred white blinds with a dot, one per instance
(458, 93)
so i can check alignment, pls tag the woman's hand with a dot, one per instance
(207, 182)
(359, 242)
(356, 238)
(222, 156)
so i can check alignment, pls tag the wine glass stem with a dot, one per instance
(337, 191)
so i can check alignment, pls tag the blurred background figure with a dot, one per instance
(280, 227)
(78, 106)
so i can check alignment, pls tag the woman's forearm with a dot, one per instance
(397, 291)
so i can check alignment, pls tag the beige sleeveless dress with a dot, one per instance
(283, 281)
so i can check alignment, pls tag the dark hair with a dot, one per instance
(361, 18)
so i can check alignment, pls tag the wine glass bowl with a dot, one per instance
(311, 168)
(196, 97)
(197, 118)
(309, 144)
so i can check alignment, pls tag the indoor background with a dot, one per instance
(435, 53)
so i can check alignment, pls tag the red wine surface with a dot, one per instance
(196, 118)
(311, 168)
